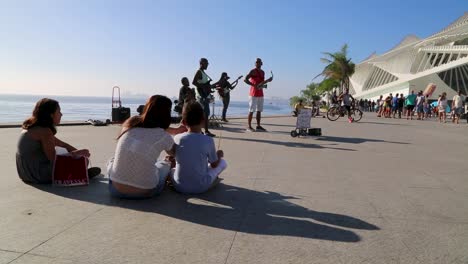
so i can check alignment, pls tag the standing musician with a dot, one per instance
(224, 89)
(203, 91)
(257, 82)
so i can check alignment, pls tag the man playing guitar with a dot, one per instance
(224, 89)
(257, 82)
(202, 82)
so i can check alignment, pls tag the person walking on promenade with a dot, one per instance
(401, 102)
(395, 105)
(442, 105)
(35, 155)
(202, 81)
(198, 164)
(256, 80)
(135, 171)
(410, 103)
(224, 90)
(457, 106)
(420, 105)
(426, 109)
(380, 104)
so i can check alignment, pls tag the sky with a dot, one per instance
(85, 47)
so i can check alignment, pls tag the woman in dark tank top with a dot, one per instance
(35, 152)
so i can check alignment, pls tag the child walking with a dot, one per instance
(442, 104)
(198, 164)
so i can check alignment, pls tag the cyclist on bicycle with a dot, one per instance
(346, 101)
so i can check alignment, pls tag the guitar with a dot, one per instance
(205, 89)
(223, 91)
(263, 85)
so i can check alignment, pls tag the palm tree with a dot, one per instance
(311, 93)
(338, 68)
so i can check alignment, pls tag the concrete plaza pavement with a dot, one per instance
(377, 191)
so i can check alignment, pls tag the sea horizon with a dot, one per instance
(15, 108)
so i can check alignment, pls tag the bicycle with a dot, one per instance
(336, 112)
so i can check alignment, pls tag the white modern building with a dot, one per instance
(441, 59)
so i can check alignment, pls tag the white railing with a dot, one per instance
(457, 48)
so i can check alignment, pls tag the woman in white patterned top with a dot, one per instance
(135, 172)
(442, 104)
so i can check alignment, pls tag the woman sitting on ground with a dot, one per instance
(35, 155)
(135, 172)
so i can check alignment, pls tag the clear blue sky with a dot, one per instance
(86, 47)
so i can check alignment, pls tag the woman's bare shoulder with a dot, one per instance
(40, 132)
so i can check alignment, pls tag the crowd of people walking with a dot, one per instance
(417, 106)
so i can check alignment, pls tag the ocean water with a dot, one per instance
(16, 108)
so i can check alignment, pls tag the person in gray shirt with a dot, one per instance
(346, 100)
(198, 164)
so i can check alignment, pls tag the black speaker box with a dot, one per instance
(314, 132)
(120, 114)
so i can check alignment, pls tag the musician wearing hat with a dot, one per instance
(224, 90)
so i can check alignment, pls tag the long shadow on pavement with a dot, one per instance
(233, 129)
(231, 208)
(356, 140)
(287, 144)
(381, 123)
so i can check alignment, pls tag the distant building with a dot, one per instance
(441, 59)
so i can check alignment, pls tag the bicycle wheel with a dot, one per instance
(294, 133)
(333, 114)
(356, 114)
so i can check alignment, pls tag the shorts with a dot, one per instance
(441, 109)
(410, 107)
(459, 110)
(205, 103)
(419, 109)
(255, 104)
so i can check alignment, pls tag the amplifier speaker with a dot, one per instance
(120, 114)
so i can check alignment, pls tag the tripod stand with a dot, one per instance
(214, 120)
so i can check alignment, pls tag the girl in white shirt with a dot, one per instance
(442, 104)
(135, 172)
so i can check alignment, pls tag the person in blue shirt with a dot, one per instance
(198, 164)
(410, 103)
(395, 105)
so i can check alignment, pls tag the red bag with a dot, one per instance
(70, 171)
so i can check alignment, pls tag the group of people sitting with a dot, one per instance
(192, 164)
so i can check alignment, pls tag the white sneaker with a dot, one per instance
(249, 130)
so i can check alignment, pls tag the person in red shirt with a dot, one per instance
(257, 82)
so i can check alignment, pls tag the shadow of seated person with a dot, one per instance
(232, 208)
